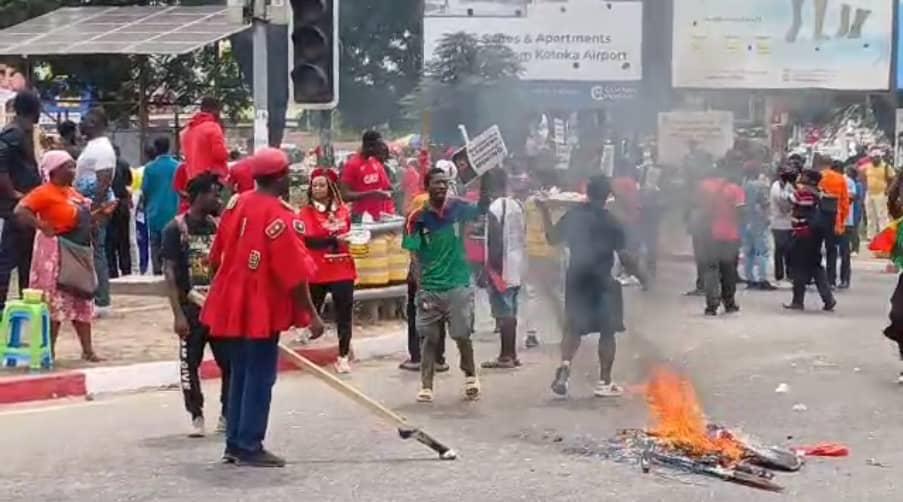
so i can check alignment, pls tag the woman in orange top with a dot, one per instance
(57, 209)
(327, 222)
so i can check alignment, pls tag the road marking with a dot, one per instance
(38, 408)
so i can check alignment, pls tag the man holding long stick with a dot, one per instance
(260, 289)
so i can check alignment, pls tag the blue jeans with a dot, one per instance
(755, 255)
(102, 296)
(253, 365)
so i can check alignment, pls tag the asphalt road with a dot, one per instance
(517, 443)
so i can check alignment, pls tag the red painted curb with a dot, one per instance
(41, 387)
(318, 355)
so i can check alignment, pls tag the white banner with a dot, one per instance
(711, 132)
(577, 40)
(783, 44)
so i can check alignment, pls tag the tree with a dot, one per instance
(471, 82)
(381, 60)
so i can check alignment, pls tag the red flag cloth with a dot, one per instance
(885, 241)
(824, 450)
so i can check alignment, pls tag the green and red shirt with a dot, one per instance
(437, 240)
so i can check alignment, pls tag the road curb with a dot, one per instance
(90, 382)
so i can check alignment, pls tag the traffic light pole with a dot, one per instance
(261, 112)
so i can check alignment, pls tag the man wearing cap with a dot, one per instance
(364, 181)
(260, 290)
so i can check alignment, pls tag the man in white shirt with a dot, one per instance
(506, 250)
(94, 171)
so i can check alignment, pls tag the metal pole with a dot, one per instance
(261, 113)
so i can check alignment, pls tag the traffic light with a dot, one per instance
(315, 44)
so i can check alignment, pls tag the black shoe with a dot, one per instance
(731, 308)
(229, 457)
(695, 292)
(829, 307)
(410, 365)
(844, 285)
(531, 342)
(711, 311)
(560, 384)
(767, 286)
(753, 285)
(442, 367)
(261, 458)
(794, 306)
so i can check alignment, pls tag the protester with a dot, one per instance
(204, 143)
(652, 209)
(835, 198)
(445, 296)
(240, 176)
(185, 253)
(755, 228)
(68, 131)
(810, 225)
(139, 240)
(628, 208)
(63, 217)
(857, 210)
(326, 224)
(506, 243)
(894, 331)
(845, 241)
(781, 207)
(119, 256)
(877, 177)
(159, 198)
(717, 216)
(260, 289)
(18, 176)
(364, 181)
(592, 298)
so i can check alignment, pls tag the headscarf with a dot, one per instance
(53, 160)
(331, 181)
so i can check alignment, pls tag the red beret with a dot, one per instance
(330, 174)
(269, 162)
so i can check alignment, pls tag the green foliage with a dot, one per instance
(381, 59)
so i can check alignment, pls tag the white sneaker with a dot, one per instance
(197, 428)
(608, 390)
(102, 312)
(900, 378)
(221, 425)
(342, 366)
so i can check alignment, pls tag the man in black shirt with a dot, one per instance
(593, 300)
(119, 255)
(18, 176)
(185, 252)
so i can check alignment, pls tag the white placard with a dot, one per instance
(783, 44)
(482, 153)
(578, 40)
(712, 131)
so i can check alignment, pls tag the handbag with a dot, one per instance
(76, 275)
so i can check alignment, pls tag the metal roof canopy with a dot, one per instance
(119, 30)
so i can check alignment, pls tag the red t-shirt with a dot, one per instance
(333, 264)
(723, 198)
(241, 177)
(366, 175)
(260, 258)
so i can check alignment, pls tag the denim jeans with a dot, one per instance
(102, 296)
(253, 364)
(755, 254)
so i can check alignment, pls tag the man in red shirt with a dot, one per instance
(204, 143)
(364, 181)
(240, 176)
(717, 213)
(260, 290)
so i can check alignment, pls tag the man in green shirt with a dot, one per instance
(434, 236)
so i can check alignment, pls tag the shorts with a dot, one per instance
(453, 307)
(504, 303)
(594, 306)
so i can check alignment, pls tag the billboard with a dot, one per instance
(783, 44)
(679, 132)
(573, 41)
(475, 7)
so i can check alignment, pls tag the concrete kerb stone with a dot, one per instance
(91, 382)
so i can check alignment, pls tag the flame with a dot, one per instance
(679, 422)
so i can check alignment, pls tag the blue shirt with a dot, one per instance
(161, 202)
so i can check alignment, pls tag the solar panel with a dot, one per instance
(119, 30)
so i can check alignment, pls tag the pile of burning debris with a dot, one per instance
(680, 438)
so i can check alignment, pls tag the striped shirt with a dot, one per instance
(805, 201)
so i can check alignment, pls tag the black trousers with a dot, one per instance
(894, 330)
(719, 261)
(806, 260)
(413, 336)
(119, 256)
(837, 246)
(698, 258)
(16, 246)
(343, 304)
(191, 355)
(782, 241)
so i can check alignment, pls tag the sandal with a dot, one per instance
(472, 388)
(91, 357)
